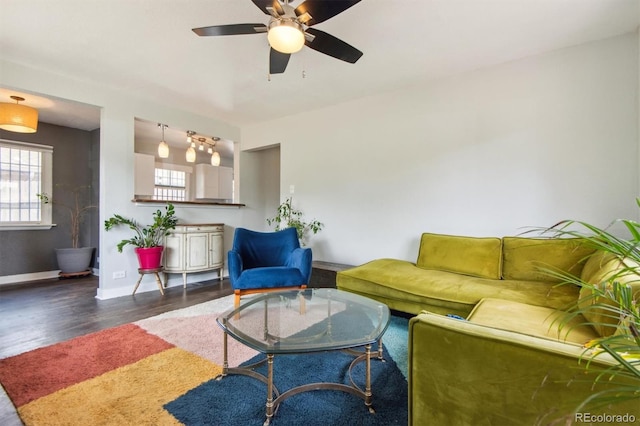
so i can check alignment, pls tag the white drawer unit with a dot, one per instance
(194, 248)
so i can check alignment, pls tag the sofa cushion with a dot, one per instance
(538, 321)
(525, 258)
(476, 257)
(599, 270)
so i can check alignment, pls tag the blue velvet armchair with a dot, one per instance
(267, 261)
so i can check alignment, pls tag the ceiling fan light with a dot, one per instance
(191, 155)
(163, 150)
(285, 36)
(215, 159)
(18, 118)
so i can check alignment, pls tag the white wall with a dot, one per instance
(116, 166)
(487, 153)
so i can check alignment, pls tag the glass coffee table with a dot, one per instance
(306, 321)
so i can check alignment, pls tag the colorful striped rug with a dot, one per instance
(161, 371)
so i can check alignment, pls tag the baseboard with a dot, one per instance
(149, 284)
(33, 276)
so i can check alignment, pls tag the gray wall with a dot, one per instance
(75, 162)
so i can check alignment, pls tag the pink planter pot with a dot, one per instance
(149, 257)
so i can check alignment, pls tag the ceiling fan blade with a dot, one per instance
(234, 29)
(332, 46)
(321, 10)
(278, 61)
(264, 4)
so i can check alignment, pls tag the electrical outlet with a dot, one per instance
(292, 189)
(119, 275)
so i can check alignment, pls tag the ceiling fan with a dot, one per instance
(289, 29)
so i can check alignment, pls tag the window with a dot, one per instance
(25, 171)
(170, 185)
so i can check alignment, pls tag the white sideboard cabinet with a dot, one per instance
(194, 248)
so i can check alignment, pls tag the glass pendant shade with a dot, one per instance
(285, 36)
(191, 155)
(163, 150)
(215, 159)
(18, 118)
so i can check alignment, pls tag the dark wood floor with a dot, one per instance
(45, 312)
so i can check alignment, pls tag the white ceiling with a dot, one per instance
(147, 48)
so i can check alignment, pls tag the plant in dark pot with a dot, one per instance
(147, 239)
(75, 260)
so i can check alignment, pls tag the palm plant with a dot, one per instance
(614, 299)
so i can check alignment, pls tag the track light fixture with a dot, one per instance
(190, 134)
(191, 153)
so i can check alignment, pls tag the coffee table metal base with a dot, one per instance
(273, 403)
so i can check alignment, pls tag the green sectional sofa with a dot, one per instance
(485, 347)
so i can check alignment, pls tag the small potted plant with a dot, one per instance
(75, 260)
(147, 239)
(288, 217)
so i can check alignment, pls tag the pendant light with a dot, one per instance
(215, 157)
(163, 147)
(18, 118)
(191, 155)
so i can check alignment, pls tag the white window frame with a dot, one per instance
(176, 167)
(46, 186)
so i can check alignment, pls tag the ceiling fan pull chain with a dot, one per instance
(304, 64)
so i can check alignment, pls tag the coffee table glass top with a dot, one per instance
(306, 321)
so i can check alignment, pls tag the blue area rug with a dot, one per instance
(240, 400)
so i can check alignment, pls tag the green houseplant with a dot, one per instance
(147, 238)
(288, 217)
(610, 303)
(76, 259)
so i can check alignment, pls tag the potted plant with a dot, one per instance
(74, 260)
(288, 217)
(615, 300)
(147, 239)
